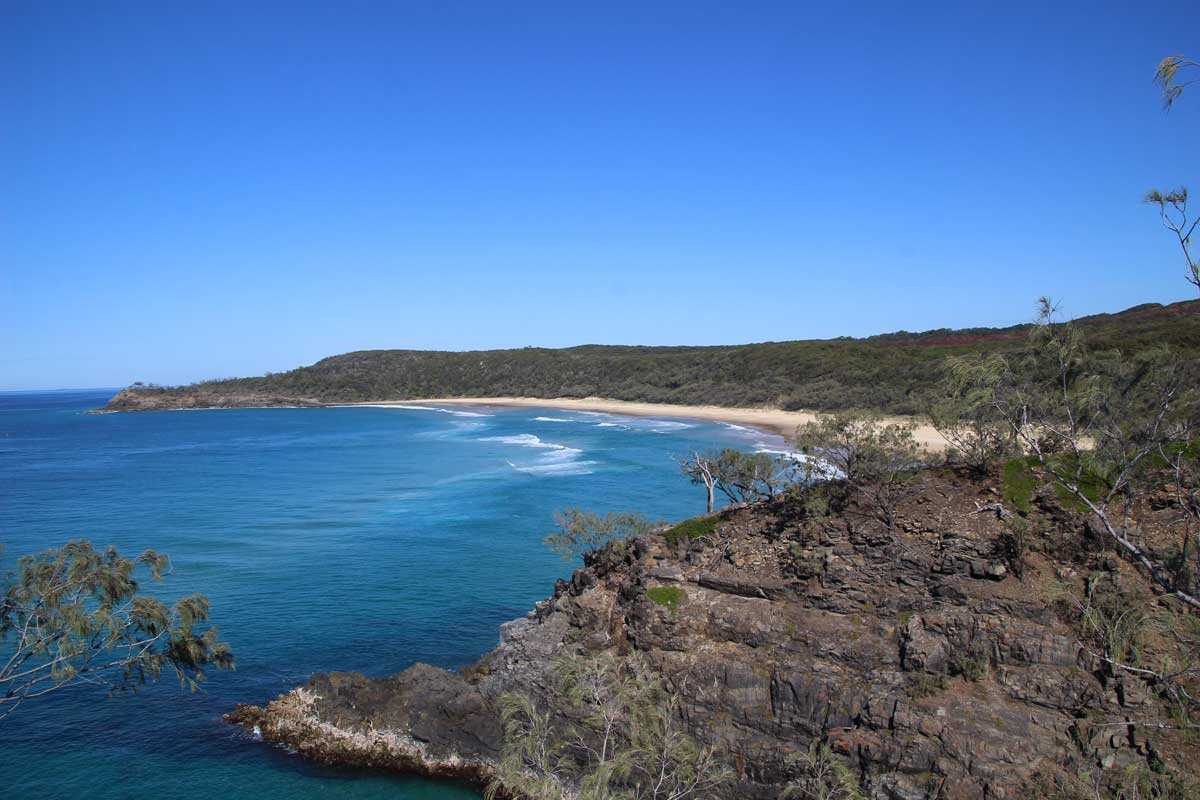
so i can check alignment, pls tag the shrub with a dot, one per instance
(1014, 543)
(822, 776)
(964, 417)
(581, 531)
(1114, 621)
(875, 459)
(926, 684)
(622, 706)
(691, 529)
(971, 667)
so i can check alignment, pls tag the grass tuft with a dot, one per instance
(669, 596)
(690, 530)
(1018, 485)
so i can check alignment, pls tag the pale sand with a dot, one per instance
(774, 420)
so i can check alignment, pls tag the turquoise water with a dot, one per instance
(326, 539)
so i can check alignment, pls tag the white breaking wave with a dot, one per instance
(669, 424)
(525, 440)
(556, 468)
(763, 447)
(661, 425)
(821, 469)
(557, 459)
(451, 411)
(552, 419)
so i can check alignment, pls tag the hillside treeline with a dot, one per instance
(889, 373)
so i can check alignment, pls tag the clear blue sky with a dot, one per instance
(194, 190)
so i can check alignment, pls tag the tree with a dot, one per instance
(874, 460)
(966, 421)
(75, 614)
(1172, 210)
(1095, 422)
(580, 531)
(746, 477)
(616, 733)
(1172, 206)
(701, 468)
(741, 477)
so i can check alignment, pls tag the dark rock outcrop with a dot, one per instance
(916, 654)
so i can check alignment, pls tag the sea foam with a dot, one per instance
(557, 459)
(821, 469)
(451, 411)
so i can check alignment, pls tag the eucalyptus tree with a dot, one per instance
(747, 477)
(741, 477)
(701, 468)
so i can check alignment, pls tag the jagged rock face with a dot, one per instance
(915, 653)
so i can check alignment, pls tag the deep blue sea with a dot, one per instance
(326, 539)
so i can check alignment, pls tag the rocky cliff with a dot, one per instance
(918, 654)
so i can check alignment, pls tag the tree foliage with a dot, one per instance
(615, 734)
(578, 531)
(962, 415)
(1173, 212)
(821, 776)
(741, 477)
(1173, 75)
(746, 477)
(76, 614)
(873, 460)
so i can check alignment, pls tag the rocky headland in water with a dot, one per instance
(938, 659)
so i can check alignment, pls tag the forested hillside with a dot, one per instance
(889, 373)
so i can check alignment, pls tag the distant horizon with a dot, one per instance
(1028, 320)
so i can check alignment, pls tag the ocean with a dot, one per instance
(364, 538)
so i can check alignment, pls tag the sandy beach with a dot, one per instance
(773, 420)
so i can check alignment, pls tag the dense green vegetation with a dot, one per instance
(889, 373)
(690, 529)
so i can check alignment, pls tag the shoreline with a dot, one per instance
(771, 420)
